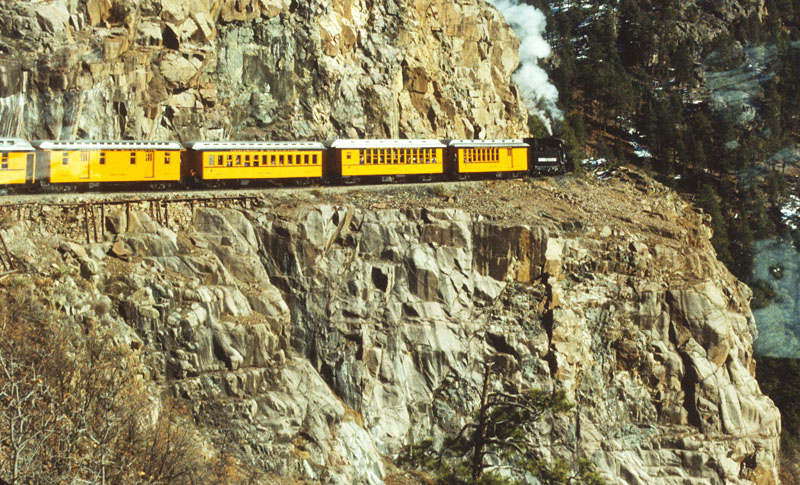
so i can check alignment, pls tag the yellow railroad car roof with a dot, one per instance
(350, 144)
(107, 145)
(15, 145)
(488, 143)
(254, 145)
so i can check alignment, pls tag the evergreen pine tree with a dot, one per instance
(708, 200)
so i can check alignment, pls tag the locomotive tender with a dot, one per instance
(128, 164)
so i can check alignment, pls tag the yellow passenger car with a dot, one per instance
(17, 162)
(246, 160)
(489, 156)
(387, 160)
(81, 161)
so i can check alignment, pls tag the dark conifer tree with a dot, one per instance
(709, 201)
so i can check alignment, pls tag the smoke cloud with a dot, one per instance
(537, 91)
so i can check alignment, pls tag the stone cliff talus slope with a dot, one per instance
(150, 69)
(327, 336)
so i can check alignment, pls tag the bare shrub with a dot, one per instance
(73, 407)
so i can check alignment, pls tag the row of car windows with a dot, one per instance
(149, 156)
(394, 156)
(256, 160)
(483, 155)
(414, 156)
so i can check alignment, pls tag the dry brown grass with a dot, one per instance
(790, 469)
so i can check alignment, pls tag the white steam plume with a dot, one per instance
(537, 91)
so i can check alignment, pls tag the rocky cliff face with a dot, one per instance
(327, 329)
(700, 22)
(244, 69)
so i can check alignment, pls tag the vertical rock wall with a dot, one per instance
(322, 338)
(151, 69)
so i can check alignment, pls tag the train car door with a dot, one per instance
(149, 164)
(83, 166)
(30, 167)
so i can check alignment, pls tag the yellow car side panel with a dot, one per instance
(262, 164)
(492, 159)
(403, 161)
(13, 168)
(95, 166)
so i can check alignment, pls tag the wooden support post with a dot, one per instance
(9, 264)
(166, 213)
(127, 216)
(103, 220)
(94, 222)
(86, 223)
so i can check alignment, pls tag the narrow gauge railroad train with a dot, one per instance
(81, 164)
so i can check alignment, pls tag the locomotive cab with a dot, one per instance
(547, 155)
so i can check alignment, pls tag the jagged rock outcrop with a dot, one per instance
(150, 69)
(325, 336)
(701, 22)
